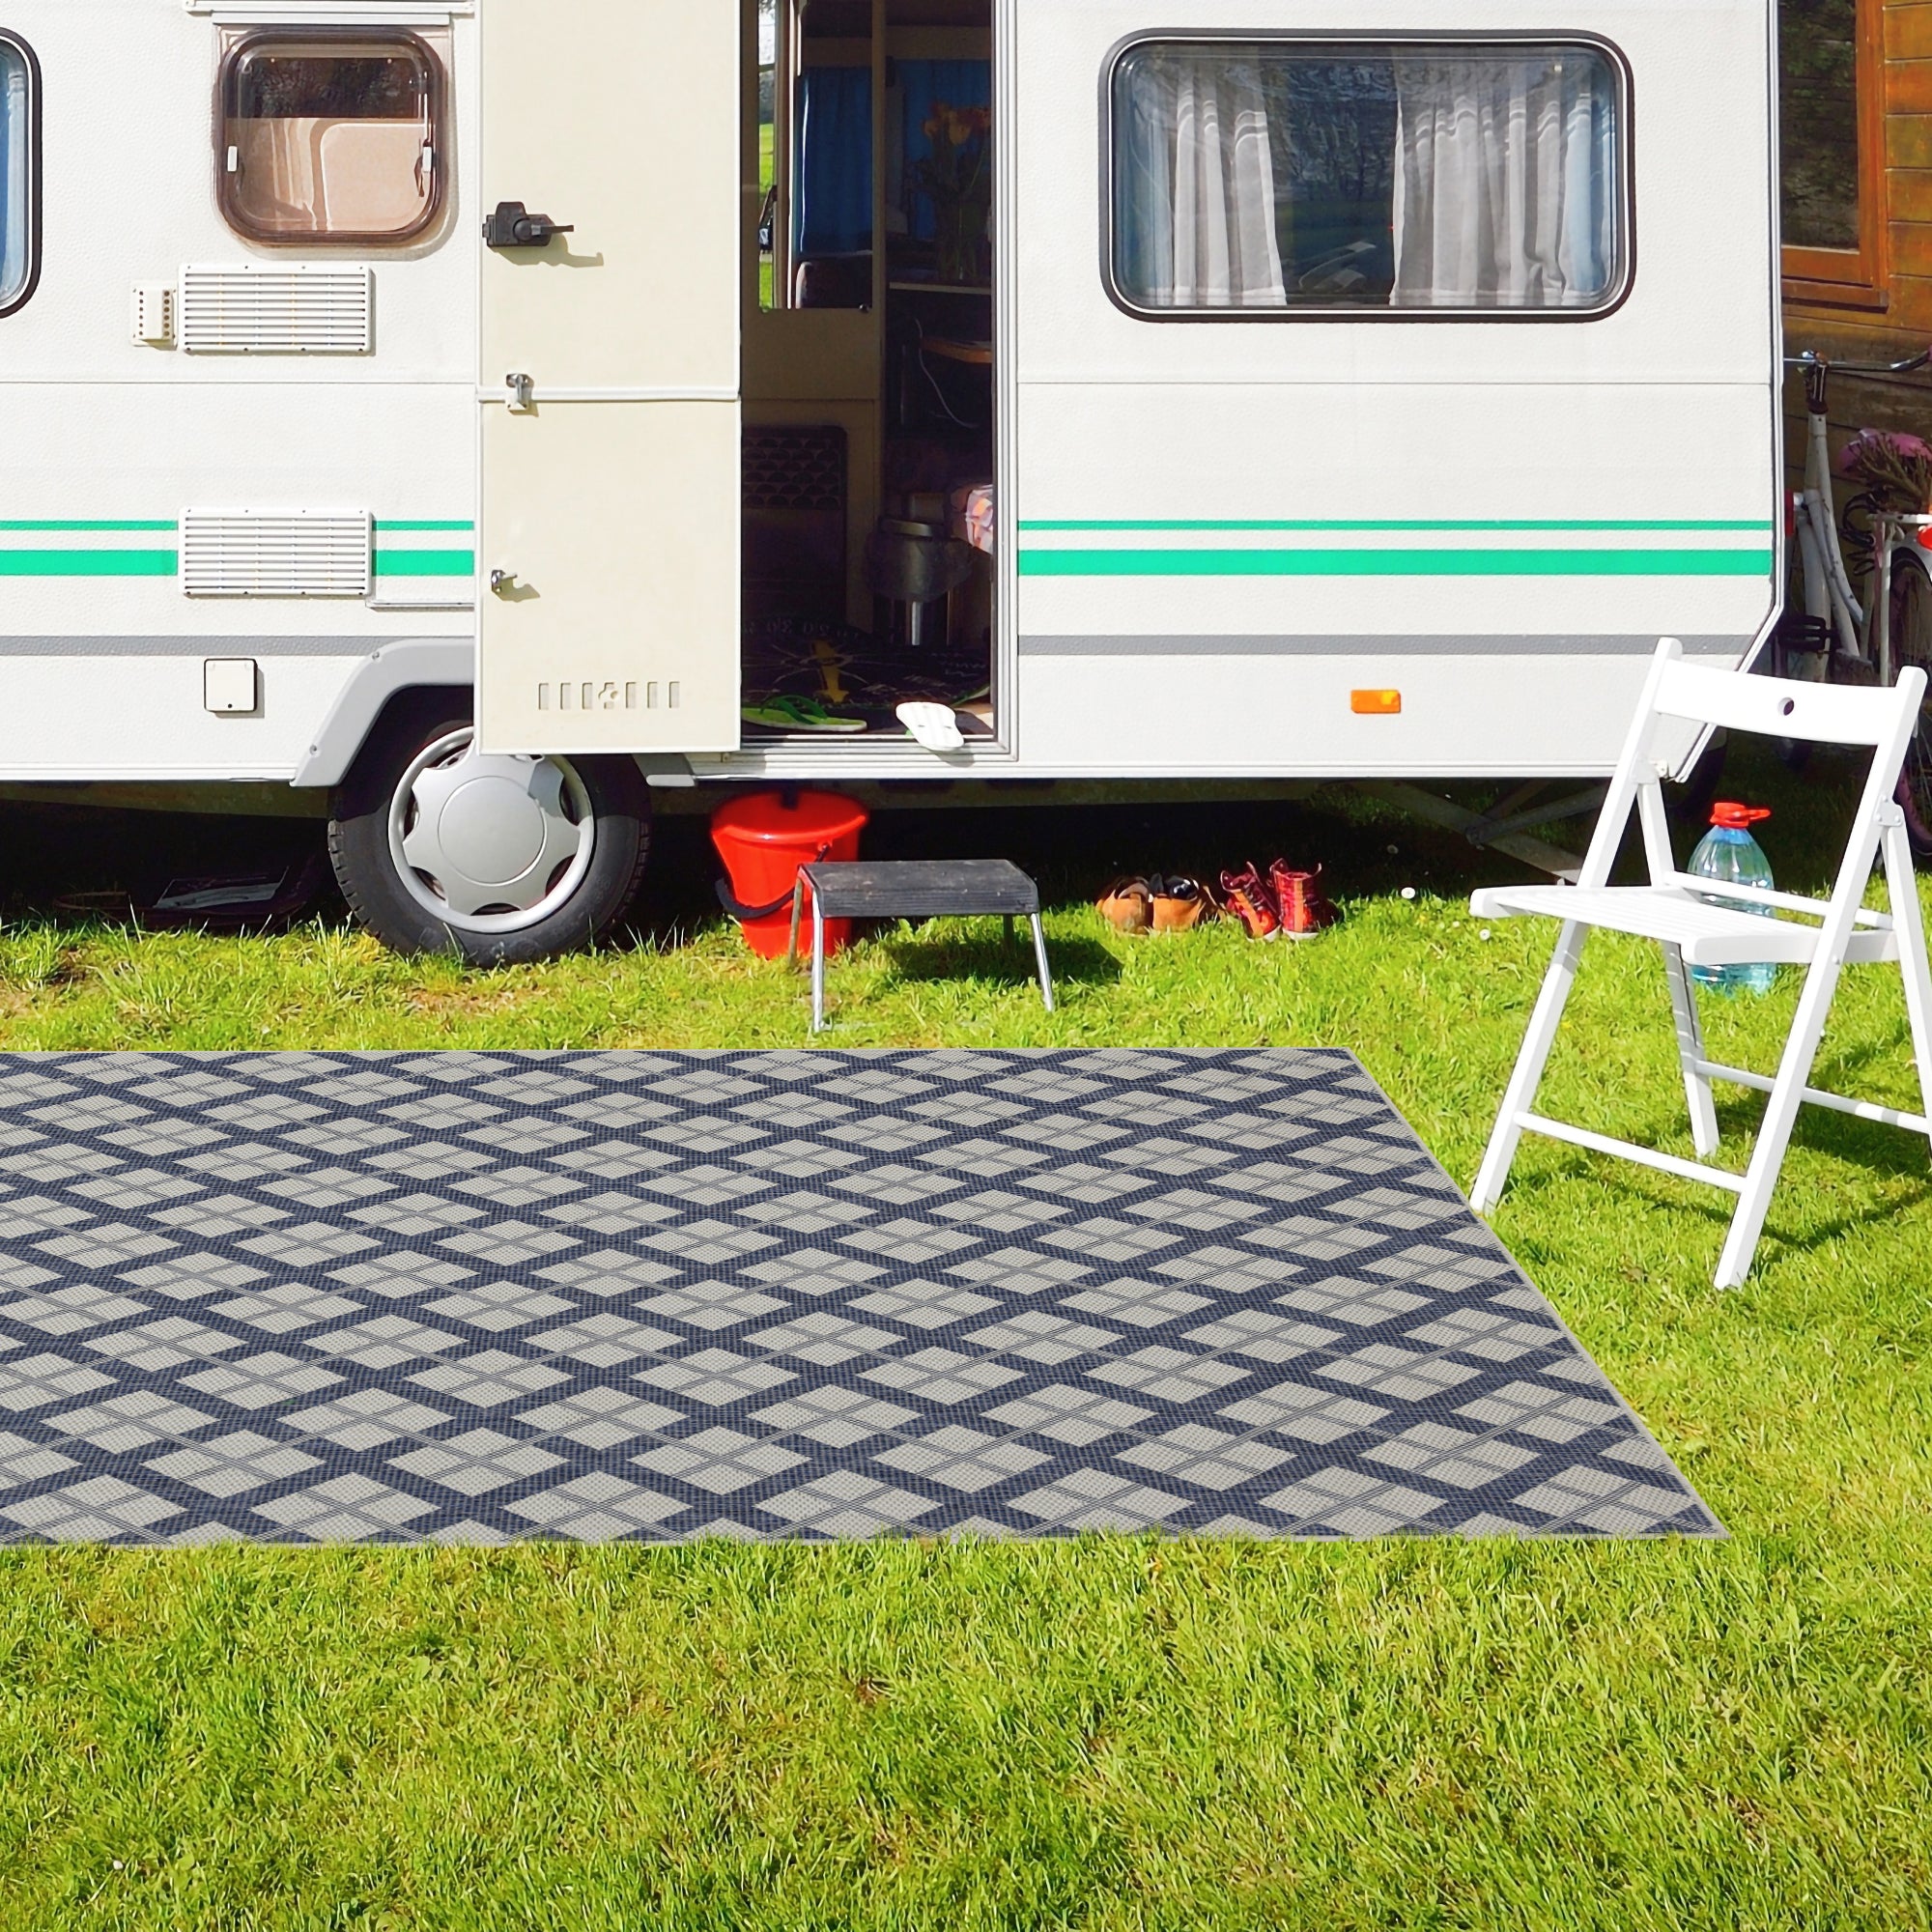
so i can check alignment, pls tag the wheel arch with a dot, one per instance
(417, 664)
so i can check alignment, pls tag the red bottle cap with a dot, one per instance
(1737, 817)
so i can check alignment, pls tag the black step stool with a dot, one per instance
(913, 889)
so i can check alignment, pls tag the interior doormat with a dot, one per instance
(472, 1297)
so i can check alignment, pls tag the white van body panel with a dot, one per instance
(109, 443)
(1131, 449)
(1430, 435)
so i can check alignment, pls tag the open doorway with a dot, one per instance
(871, 373)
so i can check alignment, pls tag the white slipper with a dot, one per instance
(934, 726)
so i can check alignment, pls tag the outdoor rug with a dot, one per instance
(469, 1298)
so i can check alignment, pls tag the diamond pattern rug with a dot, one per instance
(468, 1297)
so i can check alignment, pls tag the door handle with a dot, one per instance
(511, 225)
(502, 583)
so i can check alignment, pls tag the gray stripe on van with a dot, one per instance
(1616, 645)
(199, 647)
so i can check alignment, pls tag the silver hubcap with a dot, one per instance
(490, 843)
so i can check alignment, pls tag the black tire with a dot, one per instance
(1912, 644)
(610, 793)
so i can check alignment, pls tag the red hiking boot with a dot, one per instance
(1302, 907)
(1251, 902)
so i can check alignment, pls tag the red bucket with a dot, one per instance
(764, 841)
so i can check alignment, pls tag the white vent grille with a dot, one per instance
(276, 553)
(305, 309)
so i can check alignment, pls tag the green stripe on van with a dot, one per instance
(425, 563)
(60, 525)
(383, 526)
(89, 563)
(1395, 563)
(1095, 525)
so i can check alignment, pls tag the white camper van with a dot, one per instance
(1229, 389)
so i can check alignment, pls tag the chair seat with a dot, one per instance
(1707, 935)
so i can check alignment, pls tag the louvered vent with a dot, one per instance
(306, 309)
(276, 553)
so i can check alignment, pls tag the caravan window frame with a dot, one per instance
(30, 61)
(404, 41)
(1358, 46)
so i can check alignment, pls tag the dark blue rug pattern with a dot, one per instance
(474, 1297)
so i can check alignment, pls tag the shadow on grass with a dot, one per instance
(990, 961)
(1883, 1153)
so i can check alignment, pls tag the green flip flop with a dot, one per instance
(783, 711)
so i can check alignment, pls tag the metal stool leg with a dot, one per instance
(1040, 953)
(817, 965)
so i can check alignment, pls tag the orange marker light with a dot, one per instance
(1375, 703)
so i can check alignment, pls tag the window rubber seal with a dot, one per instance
(31, 63)
(1377, 317)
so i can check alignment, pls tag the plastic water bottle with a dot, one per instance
(1730, 853)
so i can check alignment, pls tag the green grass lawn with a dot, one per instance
(1111, 1733)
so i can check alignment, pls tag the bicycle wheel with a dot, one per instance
(1912, 644)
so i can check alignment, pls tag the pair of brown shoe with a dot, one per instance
(1174, 903)
(1285, 905)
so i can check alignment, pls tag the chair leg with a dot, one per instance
(1781, 1116)
(1902, 877)
(817, 966)
(1493, 1174)
(1040, 953)
(1691, 1050)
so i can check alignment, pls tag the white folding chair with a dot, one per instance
(1671, 909)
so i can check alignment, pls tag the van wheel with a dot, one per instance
(502, 860)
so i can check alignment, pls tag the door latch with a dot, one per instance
(511, 225)
(502, 583)
(523, 393)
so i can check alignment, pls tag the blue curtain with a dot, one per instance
(923, 85)
(15, 139)
(833, 182)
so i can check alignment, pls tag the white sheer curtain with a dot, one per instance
(1504, 182)
(15, 140)
(1204, 196)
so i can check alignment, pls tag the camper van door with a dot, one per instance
(608, 376)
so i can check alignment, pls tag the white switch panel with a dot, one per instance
(230, 685)
(152, 320)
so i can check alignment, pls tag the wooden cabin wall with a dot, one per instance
(1893, 318)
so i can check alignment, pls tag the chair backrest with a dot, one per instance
(1782, 707)
(1772, 707)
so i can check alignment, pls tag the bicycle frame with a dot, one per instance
(1828, 586)
(1896, 544)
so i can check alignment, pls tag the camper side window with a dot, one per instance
(1368, 178)
(330, 137)
(19, 167)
